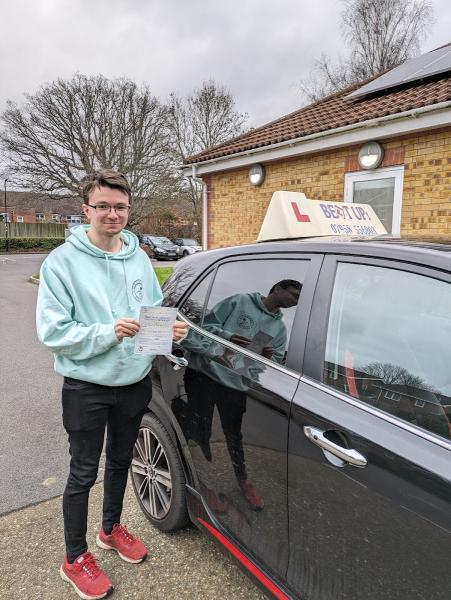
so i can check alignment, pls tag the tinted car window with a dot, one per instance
(193, 306)
(388, 343)
(160, 241)
(252, 304)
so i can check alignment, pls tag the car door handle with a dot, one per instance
(346, 454)
(178, 362)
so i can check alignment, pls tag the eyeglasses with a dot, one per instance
(120, 209)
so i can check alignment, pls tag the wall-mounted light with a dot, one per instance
(370, 155)
(257, 174)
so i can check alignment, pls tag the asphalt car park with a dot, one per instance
(304, 423)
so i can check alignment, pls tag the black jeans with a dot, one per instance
(87, 409)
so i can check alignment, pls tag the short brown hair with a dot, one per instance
(104, 178)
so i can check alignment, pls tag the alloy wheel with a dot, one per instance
(151, 474)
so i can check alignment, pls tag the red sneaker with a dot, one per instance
(88, 580)
(252, 496)
(126, 545)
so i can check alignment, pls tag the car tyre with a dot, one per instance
(157, 476)
(185, 253)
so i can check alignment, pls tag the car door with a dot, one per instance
(369, 462)
(232, 403)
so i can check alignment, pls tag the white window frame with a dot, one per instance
(19, 219)
(389, 172)
(75, 219)
(40, 217)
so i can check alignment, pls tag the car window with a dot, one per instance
(160, 240)
(252, 303)
(193, 306)
(388, 343)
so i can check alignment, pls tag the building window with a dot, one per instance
(19, 219)
(4, 217)
(381, 189)
(55, 218)
(40, 216)
(74, 218)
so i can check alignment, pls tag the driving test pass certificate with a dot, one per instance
(155, 333)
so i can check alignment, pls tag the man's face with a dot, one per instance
(102, 219)
(287, 297)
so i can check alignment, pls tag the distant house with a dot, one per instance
(405, 175)
(28, 207)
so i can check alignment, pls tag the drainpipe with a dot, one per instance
(204, 208)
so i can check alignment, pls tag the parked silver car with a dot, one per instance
(186, 246)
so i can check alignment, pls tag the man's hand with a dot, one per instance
(240, 340)
(179, 330)
(268, 351)
(126, 328)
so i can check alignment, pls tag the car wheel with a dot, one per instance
(185, 253)
(157, 476)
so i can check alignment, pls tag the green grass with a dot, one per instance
(163, 273)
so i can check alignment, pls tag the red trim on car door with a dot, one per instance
(269, 585)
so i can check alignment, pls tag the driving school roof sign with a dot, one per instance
(292, 215)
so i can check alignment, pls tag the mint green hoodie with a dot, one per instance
(83, 290)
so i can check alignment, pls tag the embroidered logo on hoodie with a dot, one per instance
(137, 290)
(245, 321)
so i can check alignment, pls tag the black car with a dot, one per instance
(304, 422)
(162, 247)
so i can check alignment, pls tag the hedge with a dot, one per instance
(31, 243)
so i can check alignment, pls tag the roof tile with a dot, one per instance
(332, 112)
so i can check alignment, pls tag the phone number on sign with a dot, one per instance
(353, 229)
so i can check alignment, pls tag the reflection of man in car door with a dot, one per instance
(216, 375)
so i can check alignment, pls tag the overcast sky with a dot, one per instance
(259, 49)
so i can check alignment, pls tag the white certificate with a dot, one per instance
(155, 333)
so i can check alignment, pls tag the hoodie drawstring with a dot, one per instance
(124, 270)
(108, 283)
(126, 285)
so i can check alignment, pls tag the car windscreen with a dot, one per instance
(160, 241)
(187, 242)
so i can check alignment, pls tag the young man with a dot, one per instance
(91, 290)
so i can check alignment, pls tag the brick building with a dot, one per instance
(405, 175)
(29, 207)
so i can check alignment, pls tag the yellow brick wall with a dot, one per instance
(236, 208)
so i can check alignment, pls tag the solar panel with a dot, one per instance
(426, 65)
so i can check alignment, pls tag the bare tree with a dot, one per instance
(204, 119)
(73, 126)
(394, 375)
(380, 35)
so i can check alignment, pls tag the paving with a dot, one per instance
(184, 565)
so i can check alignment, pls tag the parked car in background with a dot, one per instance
(187, 246)
(162, 247)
